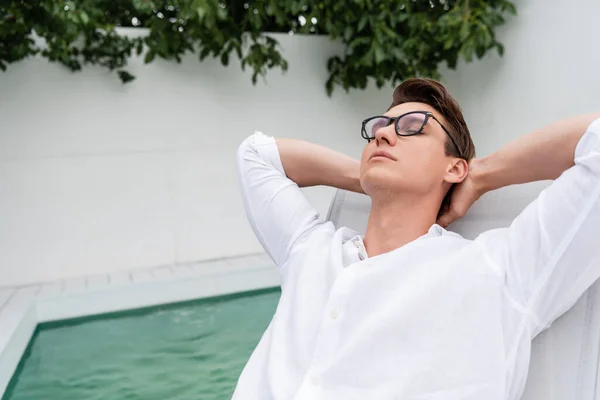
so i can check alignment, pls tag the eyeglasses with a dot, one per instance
(409, 124)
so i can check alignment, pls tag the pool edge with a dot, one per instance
(210, 279)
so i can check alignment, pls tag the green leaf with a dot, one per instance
(143, 5)
(500, 49)
(449, 42)
(84, 18)
(467, 50)
(379, 55)
(359, 41)
(125, 76)
(480, 51)
(204, 53)
(464, 32)
(348, 31)
(139, 47)
(398, 54)
(362, 22)
(388, 31)
(510, 7)
(225, 58)
(201, 12)
(485, 36)
(329, 85)
(149, 56)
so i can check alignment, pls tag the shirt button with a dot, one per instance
(334, 313)
(315, 379)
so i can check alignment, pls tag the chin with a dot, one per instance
(377, 179)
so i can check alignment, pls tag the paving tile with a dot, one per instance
(96, 282)
(119, 278)
(165, 272)
(50, 289)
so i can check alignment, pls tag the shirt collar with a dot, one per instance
(435, 230)
(354, 248)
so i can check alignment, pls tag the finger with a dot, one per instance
(446, 219)
(452, 215)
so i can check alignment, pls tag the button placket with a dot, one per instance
(362, 252)
(328, 338)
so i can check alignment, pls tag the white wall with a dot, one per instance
(96, 176)
(550, 70)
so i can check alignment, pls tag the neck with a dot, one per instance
(394, 223)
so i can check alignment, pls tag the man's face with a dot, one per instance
(414, 164)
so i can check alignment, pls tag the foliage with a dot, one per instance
(386, 40)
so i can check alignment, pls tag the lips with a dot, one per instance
(382, 153)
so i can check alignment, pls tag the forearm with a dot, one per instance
(309, 164)
(543, 154)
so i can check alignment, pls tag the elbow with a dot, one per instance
(246, 148)
(252, 148)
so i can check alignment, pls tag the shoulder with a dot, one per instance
(322, 237)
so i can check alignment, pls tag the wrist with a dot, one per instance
(481, 173)
(354, 179)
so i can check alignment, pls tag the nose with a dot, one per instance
(386, 134)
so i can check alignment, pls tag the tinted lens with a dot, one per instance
(411, 124)
(373, 125)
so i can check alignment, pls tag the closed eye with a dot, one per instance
(380, 124)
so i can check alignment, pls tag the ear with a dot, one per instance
(457, 171)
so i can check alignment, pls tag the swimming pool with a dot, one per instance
(186, 351)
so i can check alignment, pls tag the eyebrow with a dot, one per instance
(386, 114)
(405, 113)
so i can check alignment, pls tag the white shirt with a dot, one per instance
(441, 317)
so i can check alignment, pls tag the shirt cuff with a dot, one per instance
(590, 141)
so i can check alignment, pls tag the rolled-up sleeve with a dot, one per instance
(276, 208)
(551, 252)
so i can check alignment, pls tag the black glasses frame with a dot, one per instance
(427, 114)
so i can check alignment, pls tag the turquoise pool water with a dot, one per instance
(182, 352)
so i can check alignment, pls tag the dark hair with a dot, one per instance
(434, 94)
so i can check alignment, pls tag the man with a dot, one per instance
(412, 311)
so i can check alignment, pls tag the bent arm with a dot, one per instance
(551, 251)
(541, 155)
(270, 173)
(309, 164)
